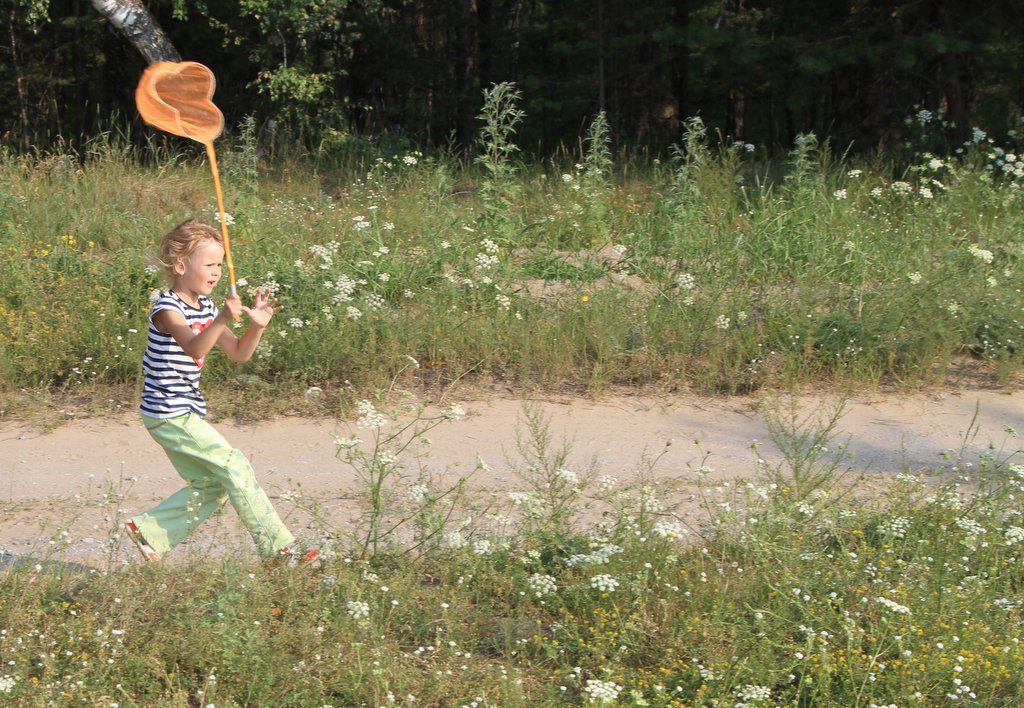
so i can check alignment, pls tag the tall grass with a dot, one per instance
(708, 271)
(799, 585)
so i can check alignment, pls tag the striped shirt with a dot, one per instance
(170, 376)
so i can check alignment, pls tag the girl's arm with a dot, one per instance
(195, 345)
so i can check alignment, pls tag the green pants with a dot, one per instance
(215, 472)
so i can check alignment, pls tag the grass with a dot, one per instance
(705, 273)
(711, 272)
(803, 584)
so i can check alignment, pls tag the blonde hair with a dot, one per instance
(181, 242)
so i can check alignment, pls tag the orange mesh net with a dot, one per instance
(176, 97)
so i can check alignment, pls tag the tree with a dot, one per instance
(135, 23)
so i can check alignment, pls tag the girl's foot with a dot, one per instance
(147, 551)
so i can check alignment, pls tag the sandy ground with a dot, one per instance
(63, 491)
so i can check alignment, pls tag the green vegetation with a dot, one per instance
(797, 586)
(710, 272)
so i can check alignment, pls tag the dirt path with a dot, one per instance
(52, 484)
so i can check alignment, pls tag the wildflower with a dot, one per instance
(418, 492)
(924, 116)
(752, 692)
(722, 322)
(567, 476)
(667, 529)
(686, 281)
(346, 443)
(606, 483)
(839, 194)
(914, 278)
(489, 246)
(978, 135)
(1014, 535)
(970, 526)
(485, 261)
(876, 192)
(567, 178)
(368, 416)
(900, 187)
(981, 254)
(410, 160)
(228, 219)
(925, 192)
(601, 692)
(357, 610)
(352, 313)
(604, 583)
(895, 528)
(295, 322)
(454, 412)
(313, 391)
(482, 547)
(541, 585)
(854, 173)
(7, 683)
(935, 164)
(893, 606)
(619, 249)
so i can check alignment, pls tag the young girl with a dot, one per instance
(184, 327)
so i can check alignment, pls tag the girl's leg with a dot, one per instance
(202, 456)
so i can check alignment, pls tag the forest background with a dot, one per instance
(329, 74)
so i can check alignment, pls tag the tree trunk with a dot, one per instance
(135, 23)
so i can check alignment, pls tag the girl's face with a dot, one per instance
(199, 273)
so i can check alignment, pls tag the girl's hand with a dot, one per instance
(263, 310)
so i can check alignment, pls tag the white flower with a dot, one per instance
(601, 692)
(668, 529)
(228, 219)
(914, 277)
(722, 322)
(686, 281)
(839, 194)
(854, 173)
(410, 160)
(352, 313)
(752, 692)
(541, 585)
(567, 178)
(454, 412)
(482, 547)
(357, 610)
(567, 476)
(894, 606)
(604, 583)
(418, 492)
(1014, 535)
(368, 416)
(981, 254)
(346, 443)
